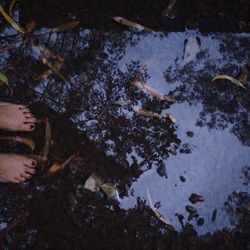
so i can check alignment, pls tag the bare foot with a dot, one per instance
(16, 168)
(15, 117)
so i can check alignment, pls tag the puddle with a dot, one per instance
(207, 146)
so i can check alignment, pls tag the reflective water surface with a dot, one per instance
(203, 149)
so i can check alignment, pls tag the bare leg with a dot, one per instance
(15, 117)
(15, 168)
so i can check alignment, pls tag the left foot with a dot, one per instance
(16, 117)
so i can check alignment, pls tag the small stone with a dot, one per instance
(196, 198)
(200, 221)
(162, 170)
(182, 178)
(191, 209)
(190, 133)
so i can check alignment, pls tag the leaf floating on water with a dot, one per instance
(66, 26)
(92, 183)
(147, 113)
(131, 24)
(233, 80)
(11, 21)
(150, 91)
(54, 168)
(4, 79)
(110, 190)
(158, 215)
(27, 141)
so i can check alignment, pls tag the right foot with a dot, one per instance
(16, 117)
(16, 168)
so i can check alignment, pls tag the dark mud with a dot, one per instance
(205, 152)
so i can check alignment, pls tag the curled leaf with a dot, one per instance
(158, 215)
(27, 141)
(11, 21)
(110, 190)
(4, 79)
(131, 24)
(92, 183)
(231, 79)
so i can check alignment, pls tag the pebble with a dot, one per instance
(191, 209)
(182, 178)
(200, 221)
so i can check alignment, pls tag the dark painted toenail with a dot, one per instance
(32, 126)
(33, 163)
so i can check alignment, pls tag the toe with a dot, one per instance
(30, 120)
(26, 176)
(30, 163)
(28, 115)
(28, 127)
(19, 179)
(30, 170)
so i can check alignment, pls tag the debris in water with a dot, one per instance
(191, 209)
(182, 178)
(190, 133)
(110, 190)
(192, 46)
(231, 79)
(180, 218)
(167, 12)
(150, 91)
(131, 24)
(157, 213)
(200, 221)
(196, 198)
(214, 215)
(92, 183)
(162, 170)
(4, 79)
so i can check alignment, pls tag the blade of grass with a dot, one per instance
(231, 79)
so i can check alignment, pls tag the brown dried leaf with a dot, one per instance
(27, 141)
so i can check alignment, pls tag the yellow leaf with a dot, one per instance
(27, 141)
(54, 168)
(231, 79)
(11, 21)
(4, 79)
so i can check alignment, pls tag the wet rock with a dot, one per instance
(200, 221)
(162, 170)
(182, 178)
(192, 216)
(194, 198)
(191, 209)
(190, 133)
(214, 214)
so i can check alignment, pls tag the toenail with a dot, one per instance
(32, 126)
(33, 163)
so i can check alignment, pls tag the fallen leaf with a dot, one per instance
(11, 21)
(233, 80)
(54, 168)
(157, 213)
(4, 79)
(66, 26)
(27, 141)
(110, 190)
(131, 24)
(92, 183)
(150, 91)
